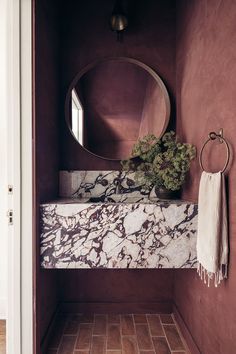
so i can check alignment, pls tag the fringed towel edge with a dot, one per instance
(208, 276)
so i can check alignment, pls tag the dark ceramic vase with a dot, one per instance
(164, 193)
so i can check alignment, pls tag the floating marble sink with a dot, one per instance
(116, 233)
(93, 226)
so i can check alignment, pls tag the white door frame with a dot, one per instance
(3, 161)
(19, 93)
(14, 179)
(27, 304)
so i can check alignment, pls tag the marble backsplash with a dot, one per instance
(99, 184)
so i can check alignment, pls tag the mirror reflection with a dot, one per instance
(113, 103)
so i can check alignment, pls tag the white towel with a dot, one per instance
(212, 236)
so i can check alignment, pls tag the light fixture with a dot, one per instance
(118, 21)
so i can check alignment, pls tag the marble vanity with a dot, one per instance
(104, 220)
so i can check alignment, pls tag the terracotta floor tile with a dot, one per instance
(84, 337)
(155, 325)
(113, 337)
(143, 337)
(72, 325)
(98, 345)
(100, 325)
(166, 319)
(87, 318)
(67, 345)
(140, 319)
(113, 318)
(173, 337)
(114, 334)
(127, 325)
(161, 345)
(129, 345)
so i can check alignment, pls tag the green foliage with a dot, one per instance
(160, 161)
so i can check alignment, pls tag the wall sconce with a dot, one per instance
(118, 20)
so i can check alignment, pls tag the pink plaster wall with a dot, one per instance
(206, 101)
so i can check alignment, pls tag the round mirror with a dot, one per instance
(114, 102)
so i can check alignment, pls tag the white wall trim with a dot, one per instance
(3, 308)
(3, 159)
(26, 178)
(14, 179)
(19, 116)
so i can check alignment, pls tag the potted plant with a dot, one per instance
(161, 163)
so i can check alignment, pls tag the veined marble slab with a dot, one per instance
(145, 234)
(102, 184)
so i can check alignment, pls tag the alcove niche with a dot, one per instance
(67, 37)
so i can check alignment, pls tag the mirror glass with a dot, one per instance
(114, 102)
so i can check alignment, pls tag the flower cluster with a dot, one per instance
(160, 162)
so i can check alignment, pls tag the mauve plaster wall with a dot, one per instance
(47, 142)
(117, 286)
(206, 101)
(86, 37)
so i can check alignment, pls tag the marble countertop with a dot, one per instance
(114, 198)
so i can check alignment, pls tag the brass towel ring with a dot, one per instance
(213, 136)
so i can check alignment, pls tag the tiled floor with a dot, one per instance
(116, 334)
(2, 337)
